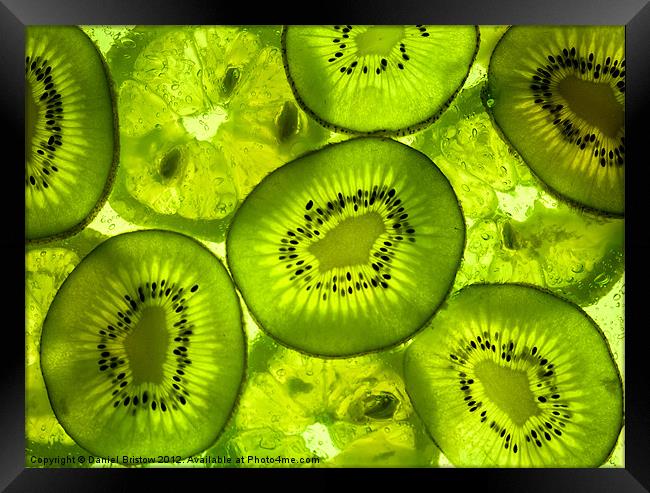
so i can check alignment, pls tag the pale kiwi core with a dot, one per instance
(349, 242)
(509, 390)
(594, 102)
(147, 346)
(378, 40)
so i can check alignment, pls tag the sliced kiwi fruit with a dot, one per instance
(558, 95)
(389, 80)
(510, 375)
(71, 136)
(347, 249)
(142, 350)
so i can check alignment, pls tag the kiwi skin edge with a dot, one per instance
(583, 313)
(577, 206)
(108, 186)
(371, 351)
(416, 127)
(244, 378)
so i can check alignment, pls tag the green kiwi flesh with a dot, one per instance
(71, 134)
(142, 349)
(512, 376)
(348, 249)
(559, 97)
(389, 80)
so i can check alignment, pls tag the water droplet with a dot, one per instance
(485, 236)
(128, 43)
(601, 279)
(465, 187)
(281, 372)
(111, 227)
(578, 268)
(490, 103)
(474, 132)
(43, 253)
(617, 296)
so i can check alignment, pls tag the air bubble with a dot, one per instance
(601, 279)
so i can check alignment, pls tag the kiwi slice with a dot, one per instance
(71, 137)
(390, 80)
(558, 95)
(142, 350)
(347, 249)
(512, 376)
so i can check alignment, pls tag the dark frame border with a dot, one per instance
(634, 14)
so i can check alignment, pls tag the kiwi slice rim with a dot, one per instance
(112, 173)
(576, 307)
(408, 130)
(387, 347)
(571, 202)
(240, 386)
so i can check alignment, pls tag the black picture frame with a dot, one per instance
(634, 14)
